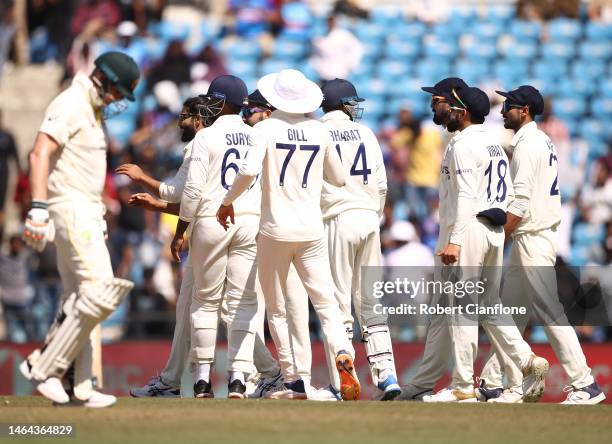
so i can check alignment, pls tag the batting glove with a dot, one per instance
(39, 228)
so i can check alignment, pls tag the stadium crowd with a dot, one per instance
(181, 48)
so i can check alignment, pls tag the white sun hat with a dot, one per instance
(403, 231)
(290, 91)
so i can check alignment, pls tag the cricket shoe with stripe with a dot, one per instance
(203, 390)
(349, 383)
(513, 395)
(328, 393)
(589, 395)
(268, 385)
(155, 388)
(485, 394)
(451, 395)
(51, 388)
(236, 389)
(534, 376)
(390, 388)
(412, 392)
(291, 390)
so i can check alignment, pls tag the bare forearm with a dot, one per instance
(39, 165)
(151, 184)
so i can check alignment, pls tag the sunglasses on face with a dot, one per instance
(508, 106)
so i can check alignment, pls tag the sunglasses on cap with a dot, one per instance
(508, 106)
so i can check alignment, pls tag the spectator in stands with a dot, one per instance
(212, 61)
(16, 291)
(106, 10)
(600, 11)
(7, 32)
(8, 152)
(547, 9)
(174, 66)
(296, 20)
(253, 17)
(337, 54)
(84, 49)
(350, 8)
(596, 198)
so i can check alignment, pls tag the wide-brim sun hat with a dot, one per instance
(290, 91)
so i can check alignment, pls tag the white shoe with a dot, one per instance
(324, 394)
(589, 395)
(267, 385)
(99, 400)
(156, 388)
(512, 395)
(291, 390)
(451, 395)
(51, 389)
(534, 375)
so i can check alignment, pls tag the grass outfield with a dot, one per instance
(178, 421)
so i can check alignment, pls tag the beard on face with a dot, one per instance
(452, 123)
(510, 123)
(439, 118)
(188, 133)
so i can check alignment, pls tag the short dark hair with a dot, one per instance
(194, 104)
(477, 119)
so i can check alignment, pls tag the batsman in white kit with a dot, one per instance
(67, 172)
(351, 216)
(474, 191)
(224, 262)
(297, 156)
(533, 217)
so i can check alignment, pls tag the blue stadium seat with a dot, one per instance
(500, 14)
(597, 148)
(576, 87)
(602, 106)
(371, 89)
(436, 48)
(579, 256)
(445, 31)
(419, 108)
(375, 108)
(385, 16)
(549, 70)
(558, 50)
(120, 128)
(585, 234)
(569, 107)
(432, 70)
(288, 49)
(589, 69)
(271, 65)
(372, 122)
(598, 32)
(481, 52)
(546, 88)
(410, 31)
(392, 68)
(525, 50)
(472, 73)
(564, 29)
(372, 48)
(168, 31)
(510, 68)
(462, 17)
(487, 31)
(404, 50)
(241, 67)
(592, 129)
(595, 50)
(241, 49)
(521, 30)
(605, 87)
(369, 31)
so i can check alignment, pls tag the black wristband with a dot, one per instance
(40, 204)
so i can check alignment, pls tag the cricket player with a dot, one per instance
(533, 217)
(474, 191)
(224, 262)
(67, 172)
(434, 362)
(351, 216)
(297, 155)
(191, 120)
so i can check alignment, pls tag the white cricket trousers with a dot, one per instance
(224, 266)
(353, 240)
(530, 281)
(264, 362)
(312, 265)
(82, 256)
(480, 259)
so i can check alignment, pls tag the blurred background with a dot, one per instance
(387, 48)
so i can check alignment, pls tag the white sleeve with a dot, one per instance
(380, 174)
(197, 175)
(171, 190)
(522, 167)
(251, 167)
(463, 177)
(333, 172)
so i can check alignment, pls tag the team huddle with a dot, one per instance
(279, 209)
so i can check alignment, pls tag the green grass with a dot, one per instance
(178, 421)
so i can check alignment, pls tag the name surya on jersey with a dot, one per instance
(234, 139)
